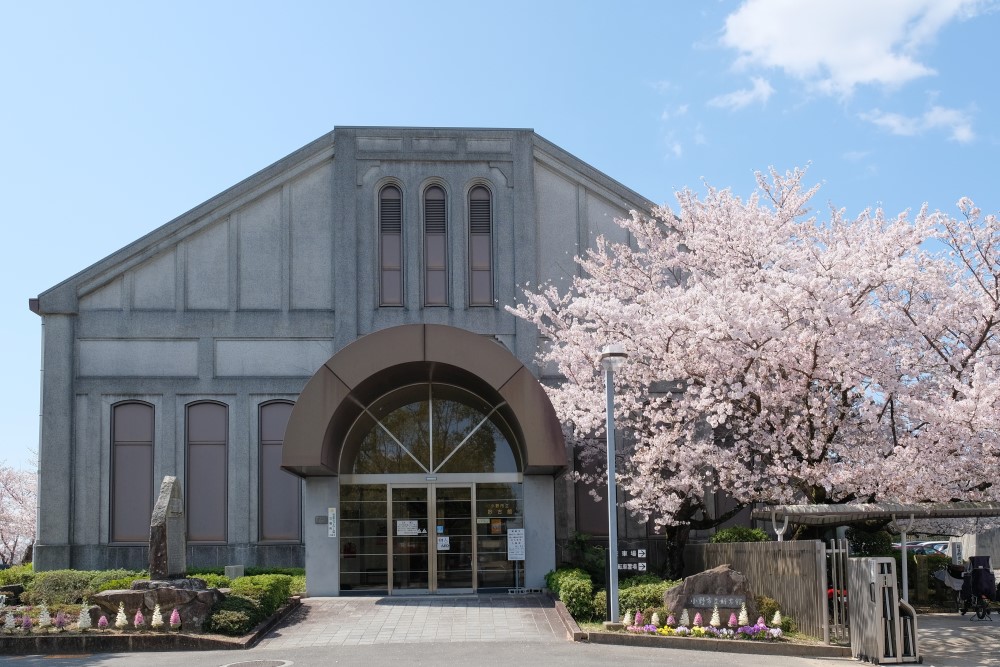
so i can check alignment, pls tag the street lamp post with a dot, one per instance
(612, 357)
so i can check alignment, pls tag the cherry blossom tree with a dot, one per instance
(17, 512)
(779, 357)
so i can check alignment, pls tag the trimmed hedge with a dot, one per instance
(17, 574)
(73, 586)
(643, 596)
(234, 615)
(269, 591)
(554, 580)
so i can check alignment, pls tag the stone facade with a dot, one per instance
(241, 300)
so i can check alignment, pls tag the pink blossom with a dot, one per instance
(792, 354)
(102, 622)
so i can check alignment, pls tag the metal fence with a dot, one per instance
(793, 573)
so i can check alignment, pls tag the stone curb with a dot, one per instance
(572, 629)
(721, 645)
(95, 642)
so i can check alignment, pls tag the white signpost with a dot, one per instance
(331, 522)
(515, 544)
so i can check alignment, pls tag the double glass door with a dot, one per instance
(432, 538)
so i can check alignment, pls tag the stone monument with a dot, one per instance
(167, 536)
(721, 586)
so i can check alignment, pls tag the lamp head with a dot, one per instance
(613, 356)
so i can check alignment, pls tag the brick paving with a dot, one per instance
(339, 621)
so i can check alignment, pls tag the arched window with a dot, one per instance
(206, 483)
(390, 229)
(280, 508)
(435, 247)
(131, 471)
(480, 247)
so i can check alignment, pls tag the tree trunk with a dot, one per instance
(673, 564)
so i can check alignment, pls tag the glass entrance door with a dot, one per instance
(410, 545)
(453, 546)
(432, 555)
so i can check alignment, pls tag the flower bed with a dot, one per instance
(736, 628)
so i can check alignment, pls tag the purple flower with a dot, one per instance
(698, 619)
(671, 621)
(60, 621)
(26, 622)
(103, 623)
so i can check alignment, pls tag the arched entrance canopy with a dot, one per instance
(379, 362)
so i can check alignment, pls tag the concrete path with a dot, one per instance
(355, 621)
(953, 640)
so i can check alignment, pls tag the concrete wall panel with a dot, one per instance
(108, 297)
(260, 248)
(311, 248)
(207, 269)
(601, 215)
(558, 235)
(139, 358)
(271, 358)
(154, 284)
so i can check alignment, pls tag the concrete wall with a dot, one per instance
(244, 297)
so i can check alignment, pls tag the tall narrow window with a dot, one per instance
(390, 229)
(435, 248)
(206, 483)
(131, 471)
(280, 501)
(480, 247)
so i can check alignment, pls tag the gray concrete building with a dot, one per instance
(322, 355)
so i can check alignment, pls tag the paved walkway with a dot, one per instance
(352, 621)
(956, 640)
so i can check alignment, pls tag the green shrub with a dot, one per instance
(199, 571)
(234, 615)
(235, 623)
(643, 596)
(57, 587)
(18, 574)
(269, 591)
(739, 534)
(578, 596)
(112, 580)
(788, 624)
(869, 542)
(215, 580)
(766, 607)
(298, 586)
(555, 579)
(639, 580)
(600, 604)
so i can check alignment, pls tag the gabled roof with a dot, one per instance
(63, 297)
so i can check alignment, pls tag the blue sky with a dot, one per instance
(117, 117)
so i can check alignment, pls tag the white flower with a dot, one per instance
(83, 623)
(121, 621)
(744, 618)
(157, 621)
(44, 619)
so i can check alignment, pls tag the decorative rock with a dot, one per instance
(13, 593)
(717, 586)
(167, 539)
(193, 605)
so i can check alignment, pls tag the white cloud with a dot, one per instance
(836, 45)
(738, 99)
(676, 112)
(956, 121)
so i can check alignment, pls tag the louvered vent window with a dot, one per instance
(390, 227)
(435, 248)
(480, 247)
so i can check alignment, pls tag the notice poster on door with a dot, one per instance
(515, 544)
(444, 543)
(407, 527)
